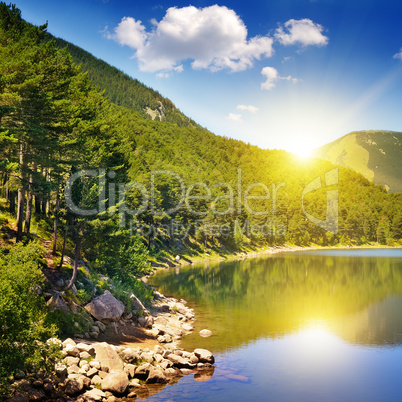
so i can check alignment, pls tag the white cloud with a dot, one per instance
(398, 55)
(237, 118)
(213, 38)
(248, 108)
(129, 32)
(272, 76)
(303, 32)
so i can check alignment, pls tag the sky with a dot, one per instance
(280, 74)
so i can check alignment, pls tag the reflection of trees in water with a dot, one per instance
(275, 296)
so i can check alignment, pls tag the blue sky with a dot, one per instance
(285, 74)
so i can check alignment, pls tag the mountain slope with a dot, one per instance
(375, 154)
(123, 90)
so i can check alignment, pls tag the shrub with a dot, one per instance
(22, 310)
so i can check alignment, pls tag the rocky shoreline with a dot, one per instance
(99, 371)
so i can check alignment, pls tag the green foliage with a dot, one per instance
(22, 310)
(123, 289)
(66, 323)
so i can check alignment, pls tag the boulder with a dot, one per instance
(137, 305)
(72, 361)
(156, 376)
(105, 308)
(57, 303)
(96, 380)
(115, 382)
(142, 371)
(74, 385)
(147, 356)
(60, 369)
(161, 321)
(83, 347)
(188, 327)
(107, 356)
(101, 326)
(92, 395)
(72, 350)
(68, 341)
(130, 355)
(205, 356)
(91, 372)
(179, 361)
(205, 333)
(146, 322)
(130, 370)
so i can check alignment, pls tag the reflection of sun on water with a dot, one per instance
(316, 339)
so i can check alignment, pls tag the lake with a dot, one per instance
(303, 326)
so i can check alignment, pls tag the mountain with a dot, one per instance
(375, 154)
(124, 90)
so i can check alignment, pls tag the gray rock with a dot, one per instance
(105, 308)
(137, 305)
(95, 364)
(72, 350)
(101, 326)
(115, 382)
(205, 356)
(73, 369)
(84, 355)
(161, 321)
(74, 386)
(159, 349)
(107, 356)
(71, 361)
(130, 355)
(68, 341)
(57, 303)
(205, 333)
(60, 369)
(146, 322)
(130, 370)
(156, 376)
(91, 372)
(92, 395)
(142, 371)
(148, 357)
(96, 380)
(179, 361)
(83, 347)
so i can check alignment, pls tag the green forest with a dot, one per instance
(59, 118)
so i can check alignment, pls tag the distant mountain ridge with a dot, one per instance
(124, 90)
(375, 154)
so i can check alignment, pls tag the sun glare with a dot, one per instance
(302, 150)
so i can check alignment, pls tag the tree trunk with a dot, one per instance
(63, 251)
(56, 222)
(12, 202)
(37, 205)
(21, 194)
(76, 258)
(20, 211)
(28, 213)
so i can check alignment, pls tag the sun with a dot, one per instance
(302, 150)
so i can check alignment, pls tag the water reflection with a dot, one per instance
(352, 296)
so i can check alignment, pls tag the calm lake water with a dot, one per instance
(305, 326)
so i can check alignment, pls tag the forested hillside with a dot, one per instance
(375, 154)
(123, 90)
